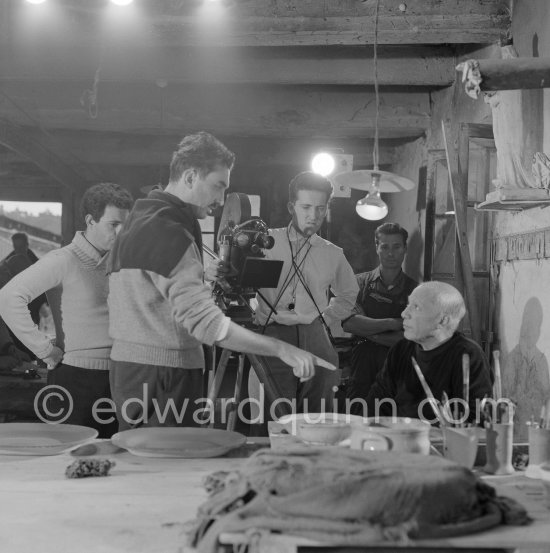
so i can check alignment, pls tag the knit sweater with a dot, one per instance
(160, 308)
(442, 369)
(76, 284)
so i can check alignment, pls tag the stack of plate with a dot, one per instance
(30, 438)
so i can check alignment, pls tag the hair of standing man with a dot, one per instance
(99, 196)
(390, 228)
(308, 180)
(200, 151)
(20, 237)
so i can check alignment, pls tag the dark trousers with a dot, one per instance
(367, 360)
(314, 395)
(150, 395)
(82, 387)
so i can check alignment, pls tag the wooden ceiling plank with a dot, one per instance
(143, 150)
(420, 66)
(297, 22)
(232, 111)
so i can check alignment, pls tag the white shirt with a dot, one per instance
(324, 269)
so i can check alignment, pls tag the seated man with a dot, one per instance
(430, 320)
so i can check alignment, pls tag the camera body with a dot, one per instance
(237, 242)
(241, 248)
(242, 241)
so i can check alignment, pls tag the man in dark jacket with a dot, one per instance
(430, 324)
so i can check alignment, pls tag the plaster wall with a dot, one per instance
(523, 293)
(522, 299)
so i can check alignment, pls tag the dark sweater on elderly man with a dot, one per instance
(442, 369)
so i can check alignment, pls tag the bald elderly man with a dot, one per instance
(430, 323)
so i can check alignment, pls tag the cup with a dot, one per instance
(460, 445)
(539, 450)
(499, 448)
(364, 440)
(394, 433)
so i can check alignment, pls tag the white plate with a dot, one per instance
(291, 422)
(181, 442)
(37, 438)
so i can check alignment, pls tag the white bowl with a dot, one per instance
(328, 432)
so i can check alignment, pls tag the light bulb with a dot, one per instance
(323, 164)
(36, 1)
(121, 2)
(372, 207)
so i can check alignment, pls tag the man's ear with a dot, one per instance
(290, 207)
(189, 176)
(89, 220)
(444, 321)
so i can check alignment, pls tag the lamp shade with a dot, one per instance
(362, 180)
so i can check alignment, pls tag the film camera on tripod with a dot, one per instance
(242, 240)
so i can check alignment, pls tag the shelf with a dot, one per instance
(514, 200)
(511, 205)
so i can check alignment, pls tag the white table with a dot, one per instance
(143, 505)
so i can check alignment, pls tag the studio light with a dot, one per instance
(36, 1)
(121, 2)
(323, 163)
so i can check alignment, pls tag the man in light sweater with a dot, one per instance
(317, 288)
(76, 283)
(160, 308)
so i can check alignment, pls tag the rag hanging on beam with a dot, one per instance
(504, 74)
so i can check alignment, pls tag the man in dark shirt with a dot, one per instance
(430, 320)
(382, 297)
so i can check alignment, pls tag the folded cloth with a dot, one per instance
(347, 497)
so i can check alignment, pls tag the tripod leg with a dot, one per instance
(237, 395)
(271, 388)
(214, 390)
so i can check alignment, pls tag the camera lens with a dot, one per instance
(268, 242)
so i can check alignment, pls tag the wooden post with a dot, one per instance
(459, 194)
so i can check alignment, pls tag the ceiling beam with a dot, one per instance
(36, 150)
(122, 149)
(308, 22)
(404, 66)
(283, 111)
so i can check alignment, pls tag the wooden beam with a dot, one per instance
(15, 138)
(513, 73)
(404, 66)
(458, 184)
(307, 111)
(121, 149)
(307, 23)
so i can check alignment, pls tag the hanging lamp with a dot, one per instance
(374, 181)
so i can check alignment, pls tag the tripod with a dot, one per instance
(271, 388)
